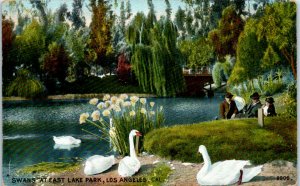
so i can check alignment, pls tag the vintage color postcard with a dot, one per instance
(149, 92)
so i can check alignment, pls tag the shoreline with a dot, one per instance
(73, 97)
(183, 173)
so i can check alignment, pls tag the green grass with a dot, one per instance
(109, 84)
(49, 167)
(158, 175)
(227, 139)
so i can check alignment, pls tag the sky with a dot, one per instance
(136, 6)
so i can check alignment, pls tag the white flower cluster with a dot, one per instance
(113, 105)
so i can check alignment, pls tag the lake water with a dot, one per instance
(29, 127)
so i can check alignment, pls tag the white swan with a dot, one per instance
(66, 140)
(129, 165)
(224, 172)
(97, 164)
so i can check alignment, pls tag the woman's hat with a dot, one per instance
(255, 95)
(269, 100)
(228, 95)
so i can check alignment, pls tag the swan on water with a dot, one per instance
(129, 165)
(225, 172)
(66, 140)
(97, 164)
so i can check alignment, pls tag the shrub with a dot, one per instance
(120, 116)
(291, 100)
(220, 72)
(25, 85)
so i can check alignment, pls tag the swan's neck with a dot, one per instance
(131, 147)
(207, 163)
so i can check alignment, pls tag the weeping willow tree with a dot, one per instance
(25, 85)
(157, 65)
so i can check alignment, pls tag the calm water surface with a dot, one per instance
(28, 128)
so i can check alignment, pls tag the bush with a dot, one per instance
(221, 72)
(25, 85)
(227, 139)
(291, 100)
(120, 116)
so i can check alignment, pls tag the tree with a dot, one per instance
(168, 9)
(250, 53)
(197, 53)
(7, 42)
(40, 5)
(100, 35)
(128, 9)
(278, 28)
(76, 16)
(225, 38)
(217, 9)
(29, 46)
(180, 20)
(122, 17)
(55, 62)
(157, 65)
(76, 42)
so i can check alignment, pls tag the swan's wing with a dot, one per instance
(98, 164)
(250, 173)
(94, 157)
(128, 166)
(225, 172)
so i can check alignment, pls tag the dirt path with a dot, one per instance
(181, 175)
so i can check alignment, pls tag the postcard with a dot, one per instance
(149, 92)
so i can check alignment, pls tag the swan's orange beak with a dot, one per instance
(138, 133)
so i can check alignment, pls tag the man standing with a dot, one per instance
(228, 108)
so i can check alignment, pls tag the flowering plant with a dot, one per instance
(116, 116)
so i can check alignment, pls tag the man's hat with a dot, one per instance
(255, 95)
(228, 95)
(270, 100)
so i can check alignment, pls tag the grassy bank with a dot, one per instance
(50, 167)
(227, 139)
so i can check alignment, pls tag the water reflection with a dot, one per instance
(65, 147)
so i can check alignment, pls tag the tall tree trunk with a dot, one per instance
(294, 70)
(290, 58)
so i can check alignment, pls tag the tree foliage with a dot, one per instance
(55, 62)
(100, 34)
(76, 16)
(221, 72)
(7, 43)
(278, 27)
(250, 53)
(197, 53)
(29, 46)
(76, 43)
(225, 38)
(156, 63)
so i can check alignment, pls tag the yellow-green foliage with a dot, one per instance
(227, 139)
(158, 175)
(49, 167)
(25, 85)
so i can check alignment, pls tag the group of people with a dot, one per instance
(229, 110)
